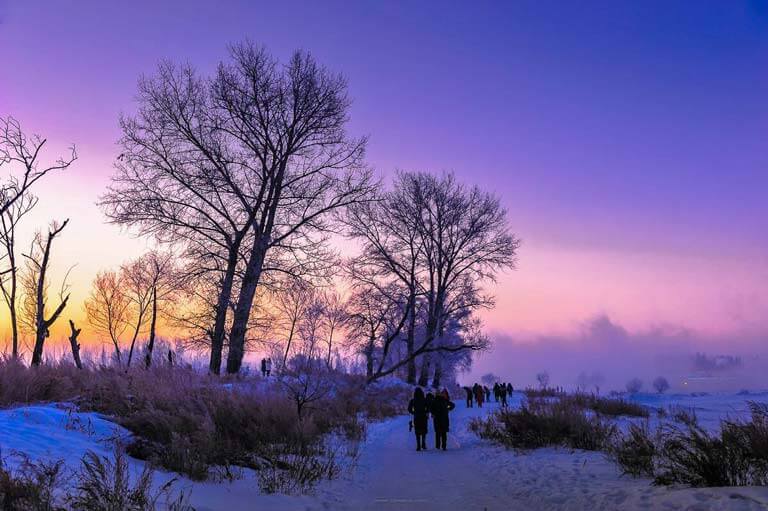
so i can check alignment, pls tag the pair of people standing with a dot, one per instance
(439, 406)
(266, 366)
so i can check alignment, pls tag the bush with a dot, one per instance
(661, 384)
(32, 487)
(634, 385)
(542, 423)
(635, 452)
(685, 453)
(531, 392)
(613, 407)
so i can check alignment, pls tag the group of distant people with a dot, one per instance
(421, 407)
(480, 393)
(266, 366)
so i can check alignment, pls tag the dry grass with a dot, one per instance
(542, 423)
(200, 425)
(685, 453)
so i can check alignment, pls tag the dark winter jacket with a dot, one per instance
(440, 409)
(418, 408)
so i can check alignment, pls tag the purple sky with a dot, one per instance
(629, 140)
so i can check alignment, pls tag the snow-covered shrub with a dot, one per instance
(634, 385)
(661, 384)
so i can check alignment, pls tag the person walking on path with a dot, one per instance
(263, 367)
(268, 366)
(479, 394)
(469, 396)
(418, 408)
(441, 407)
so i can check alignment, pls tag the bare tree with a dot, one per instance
(108, 308)
(9, 280)
(334, 319)
(449, 240)
(19, 149)
(392, 248)
(22, 154)
(292, 299)
(304, 166)
(180, 180)
(249, 162)
(35, 284)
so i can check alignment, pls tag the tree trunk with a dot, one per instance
(75, 345)
(424, 376)
(152, 326)
(438, 374)
(222, 305)
(411, 337)
(244, 304)
(14, 322)
(369, 357)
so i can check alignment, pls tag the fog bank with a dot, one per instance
(605, 354)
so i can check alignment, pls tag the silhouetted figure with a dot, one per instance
(170, 358)
(469, 396)
(479, 395)
(503, 395)
(263, 367)
(509, 389)
(487, 393)
(440, 408)
(268, 364)
(418, 408)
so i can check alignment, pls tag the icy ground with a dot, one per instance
(391, 475)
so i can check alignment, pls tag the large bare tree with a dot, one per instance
(438, 242)
(292, 120)
(242, 170)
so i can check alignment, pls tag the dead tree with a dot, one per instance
(36, 289)
(22, 154)
(74, 332)
(9, 280)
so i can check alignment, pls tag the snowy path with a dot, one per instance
(392, 475)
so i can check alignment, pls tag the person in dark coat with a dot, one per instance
(429, 398)
(418, 408)
(479, 395)
(469, 396)
(441, 406)
(487, 394)
(503, 395)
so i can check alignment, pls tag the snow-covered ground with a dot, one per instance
(391, 475)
